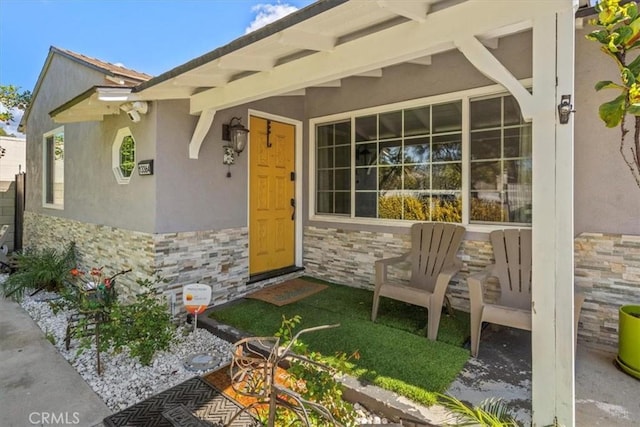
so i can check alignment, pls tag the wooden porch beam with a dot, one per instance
(425, 60)
(414, 10)
(488, 65)
(306, 40)
(299, 92)
(372, 73)
(332, 83)
(245, 63)
(199, 80)
(400, 43)
(201, 130)
(491, 43)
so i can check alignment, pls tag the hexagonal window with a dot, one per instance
(123, 155)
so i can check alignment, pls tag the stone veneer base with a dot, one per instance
(607, 270)
(219, 258)
(607, 266)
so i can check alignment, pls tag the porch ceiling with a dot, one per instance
(317, 47)
(314, 30)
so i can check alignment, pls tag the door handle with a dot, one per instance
(293, 205)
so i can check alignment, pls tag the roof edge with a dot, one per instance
(281, 24)
(36, 89)
(81, 97)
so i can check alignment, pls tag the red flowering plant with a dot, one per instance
(93, 291)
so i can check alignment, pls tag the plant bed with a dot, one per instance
(125, 381)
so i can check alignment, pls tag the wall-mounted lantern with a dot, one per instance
(236, 134)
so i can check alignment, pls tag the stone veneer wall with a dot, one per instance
(219, 258)
(608, 274)
(347, 257)
(98, 246)
(607, 271)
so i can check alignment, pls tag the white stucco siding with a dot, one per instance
(607, 199)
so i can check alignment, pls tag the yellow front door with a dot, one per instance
(271, 199)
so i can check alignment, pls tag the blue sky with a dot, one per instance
(151, 36)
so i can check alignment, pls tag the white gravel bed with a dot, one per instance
(124, 381)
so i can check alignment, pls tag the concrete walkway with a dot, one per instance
(37, 385)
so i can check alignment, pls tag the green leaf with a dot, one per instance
(607, 84)
(601, 36)
(634, 66)
(634, 33)
(625, 33)
(627, 77)
(612, 112)
(634, 109)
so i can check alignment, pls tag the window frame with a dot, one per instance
(45, 168)
(115, 155)
(465, 96)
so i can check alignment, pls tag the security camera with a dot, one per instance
(134, 109)
(134, 116)
(140, 106)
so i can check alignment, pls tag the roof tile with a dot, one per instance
(108, 67)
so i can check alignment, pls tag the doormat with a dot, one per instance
(287, 292)
(194, 402)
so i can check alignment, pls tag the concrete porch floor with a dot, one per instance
(605, 396)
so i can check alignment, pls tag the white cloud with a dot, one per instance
(267, 13)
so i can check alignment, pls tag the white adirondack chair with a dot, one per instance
(433, 263)
(512, 268)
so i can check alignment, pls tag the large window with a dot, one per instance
(411, 163)
(53, 168)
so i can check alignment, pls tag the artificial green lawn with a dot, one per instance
(394, 351)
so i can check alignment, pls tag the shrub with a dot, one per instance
(314, 380)
(46, 269)
(416, 209)
(143, 326)
(482, 210)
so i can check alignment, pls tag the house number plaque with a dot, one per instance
(145, 167)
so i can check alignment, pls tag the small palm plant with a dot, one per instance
(46, 269)
(492, 412)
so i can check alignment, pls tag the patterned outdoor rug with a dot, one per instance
(193, 403)
(287, 292)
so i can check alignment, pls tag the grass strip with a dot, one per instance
(394, 353)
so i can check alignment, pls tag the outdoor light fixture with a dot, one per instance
(236, 134)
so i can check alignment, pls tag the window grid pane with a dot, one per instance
(333, 168)
(500, 162)
(54, 168)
